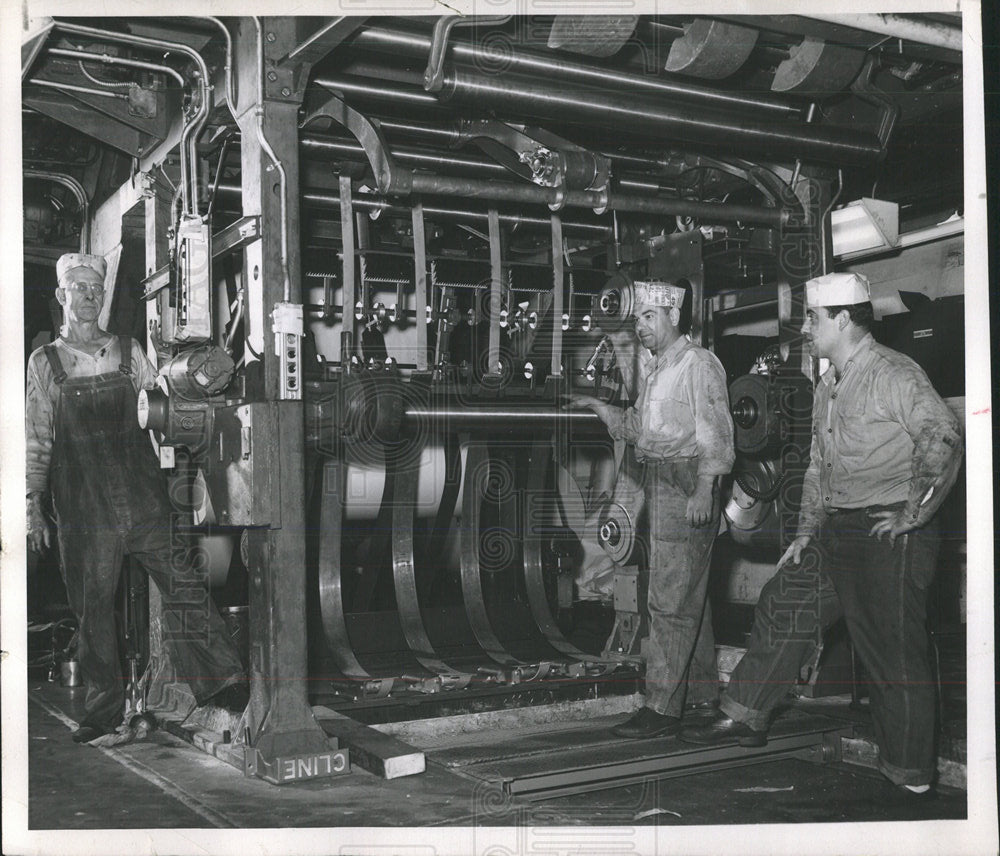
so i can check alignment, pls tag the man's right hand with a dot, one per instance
(576, 401)
(39, 536)
(794, 552)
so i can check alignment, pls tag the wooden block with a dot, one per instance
(378, 753)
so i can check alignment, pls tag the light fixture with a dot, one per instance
(865, 226)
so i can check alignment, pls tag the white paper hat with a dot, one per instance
(71, 261)
(838, 289)
(657, 293)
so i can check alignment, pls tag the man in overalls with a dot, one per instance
(110, 498)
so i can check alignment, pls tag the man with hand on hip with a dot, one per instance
(683, 434)
(885, 452)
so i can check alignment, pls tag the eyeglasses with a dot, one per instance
(93, 289)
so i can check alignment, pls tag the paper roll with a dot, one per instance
(365, 485)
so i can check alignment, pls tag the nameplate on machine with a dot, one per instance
(296, 768)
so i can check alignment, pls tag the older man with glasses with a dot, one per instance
(109, 497)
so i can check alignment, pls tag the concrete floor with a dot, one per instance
(165, 783)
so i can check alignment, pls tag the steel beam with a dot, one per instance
(600, 775)
(279, 720)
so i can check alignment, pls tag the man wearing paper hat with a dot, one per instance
(85, 448)
(682, 430)
(885, 452)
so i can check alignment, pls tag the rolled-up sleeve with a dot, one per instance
(712, 419)
(38, 418)
(933, 428)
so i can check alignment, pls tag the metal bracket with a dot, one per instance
(286, 322)
(389, 178)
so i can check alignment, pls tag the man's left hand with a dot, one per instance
(893, 524)
(699, 507)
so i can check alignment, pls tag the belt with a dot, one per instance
(867, 509)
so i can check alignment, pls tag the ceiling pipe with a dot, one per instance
(107, 59)
(375, 207)
(69, 87)
(538, 100)
(77, 190)
(551, 68)
(347, 148)
(647, 116)
(495, 191)
(919, 30)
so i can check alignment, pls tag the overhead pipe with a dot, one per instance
(107, 59)
(77, 190)
(434, 160)
(376, 206)
(710, 212)
(228, 67)
(527, 97)
(69, 87)
(648, 116)
(192, 129)
(921, 31)
(556, 70)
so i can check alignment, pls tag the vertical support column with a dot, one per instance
(558, 285)
(421, 299)
(349, 271)
(803, 254)
(496, 298)
(279, 720)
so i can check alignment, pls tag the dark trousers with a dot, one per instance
(881, 591)
(202, 649)
(680, 649)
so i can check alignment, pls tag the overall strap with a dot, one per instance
(52, 355)
(125, 354)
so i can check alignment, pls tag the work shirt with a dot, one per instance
(42, 394)
(682, 410)
(881, 435)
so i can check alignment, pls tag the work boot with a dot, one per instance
(723, 729)
(646, 722)
(87, 733)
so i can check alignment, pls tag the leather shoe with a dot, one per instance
(87, 733)
(702, 708)
(723, 729)
(646, 722)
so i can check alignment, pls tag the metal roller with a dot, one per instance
(404, 575)
(477, 465)
(331, 595)
(538, 461)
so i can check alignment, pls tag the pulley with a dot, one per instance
(613, 305)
